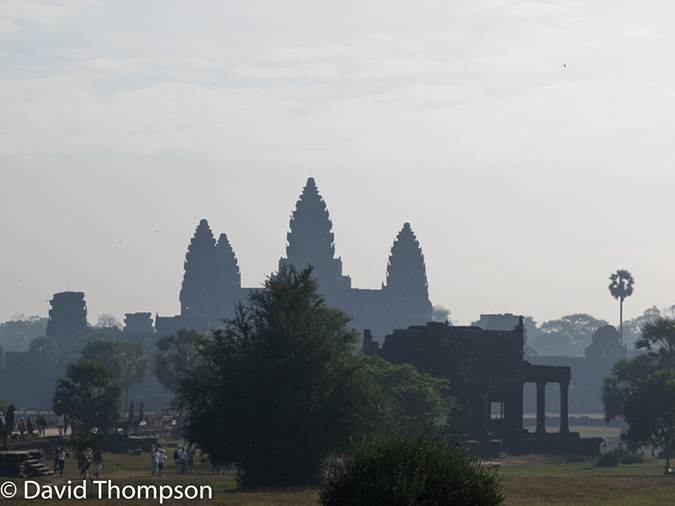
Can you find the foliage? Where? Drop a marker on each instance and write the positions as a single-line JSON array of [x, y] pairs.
[[659, 334], [402, 469], [632, 458], [440, 314], [621, 286], [16, 334], [108, 321], [79, 441], [632, 328], [90, 393], [658, 342], [279, 387], [609, 459], [649, 411], [415, 399], [4, 404], [621, 379], [2, 357], [44, 351], [568, 336], [176, 357], [124, 357]]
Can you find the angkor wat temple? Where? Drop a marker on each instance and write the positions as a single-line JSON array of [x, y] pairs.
[[212, 281]]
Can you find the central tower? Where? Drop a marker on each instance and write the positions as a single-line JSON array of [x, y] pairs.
[[311, 242]]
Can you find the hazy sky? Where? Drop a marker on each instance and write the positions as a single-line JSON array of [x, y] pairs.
[[530, 144]]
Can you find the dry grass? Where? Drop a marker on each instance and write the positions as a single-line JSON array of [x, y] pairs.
[[527, 481]]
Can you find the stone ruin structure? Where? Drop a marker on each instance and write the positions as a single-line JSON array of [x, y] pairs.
[[212, 281], [487, 376]]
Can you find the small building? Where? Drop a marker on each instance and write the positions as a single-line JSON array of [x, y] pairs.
[[487, 376]]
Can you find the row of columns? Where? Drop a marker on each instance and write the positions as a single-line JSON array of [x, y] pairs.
[[564, 407]]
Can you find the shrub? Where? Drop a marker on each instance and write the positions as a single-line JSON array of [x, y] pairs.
[[632, 458], [399, 469], [609, 459]]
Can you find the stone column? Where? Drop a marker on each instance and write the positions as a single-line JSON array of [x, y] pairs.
[[541, 407], [564, 407]]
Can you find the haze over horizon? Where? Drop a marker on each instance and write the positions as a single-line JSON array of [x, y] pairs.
[[529, 145]]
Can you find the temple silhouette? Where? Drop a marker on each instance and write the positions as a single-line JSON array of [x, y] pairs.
[[212, 280]]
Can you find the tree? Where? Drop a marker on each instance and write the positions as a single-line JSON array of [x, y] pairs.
[[108, 321], [415, 399], [650, 413], [44, 351], [569, 335], [17, 333], [657, 341], [124, 357], [621, 286], [660, 334], [401, 469], [89, 393], [279, 387], [440, 314], [176, 357]]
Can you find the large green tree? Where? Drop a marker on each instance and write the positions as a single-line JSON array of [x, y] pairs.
[[569, 335], [621, 286], [124, 357], [90, 393], [649, 410], [16, 334], [415, 399], [279, 387], [657, 343], [176, 357]]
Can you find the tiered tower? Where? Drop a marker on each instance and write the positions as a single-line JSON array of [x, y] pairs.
[[199, 294], [311, 242], [406, 292], [229, 277]]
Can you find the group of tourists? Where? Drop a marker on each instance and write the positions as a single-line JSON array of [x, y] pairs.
[[26, 425], [184, 459]]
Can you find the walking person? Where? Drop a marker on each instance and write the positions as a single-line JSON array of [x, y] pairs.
[[191, 452], [154, 462], [61, 459], [176, 458], [162, 458], [183, 462], [98, 463], [60, 424]]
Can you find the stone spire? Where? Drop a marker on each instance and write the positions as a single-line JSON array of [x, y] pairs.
[[406, 287], [310, 241], [230, 277], [201, 279]]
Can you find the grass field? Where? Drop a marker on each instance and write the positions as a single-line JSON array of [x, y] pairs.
[[527, 480]]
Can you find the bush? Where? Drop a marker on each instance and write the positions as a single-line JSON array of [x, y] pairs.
[[609, 459], [401, 469], [632, 458]]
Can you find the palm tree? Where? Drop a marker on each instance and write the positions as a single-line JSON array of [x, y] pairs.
[[125, 358], [659, 334], [89, 393], [621, 286]]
